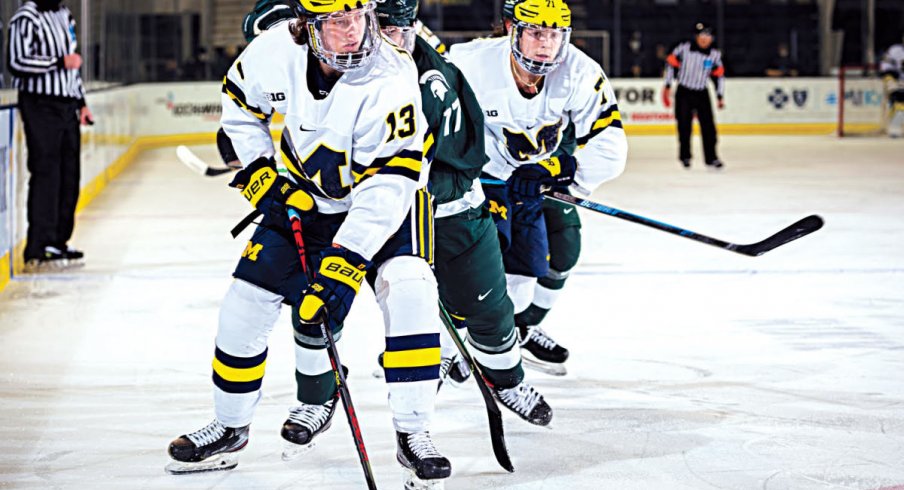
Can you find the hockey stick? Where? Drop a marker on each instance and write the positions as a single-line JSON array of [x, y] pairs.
[[790, 233], [497, 433], [197, 165], [333, 353]]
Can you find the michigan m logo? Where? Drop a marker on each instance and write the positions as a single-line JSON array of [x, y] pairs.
[[521, 148], [251, 251], [495, 208]]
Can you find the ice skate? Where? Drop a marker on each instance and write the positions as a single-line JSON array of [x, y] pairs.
[[424, 467], [213, 448], [305, 422], [541, 353], [453, 371], [526, 402]]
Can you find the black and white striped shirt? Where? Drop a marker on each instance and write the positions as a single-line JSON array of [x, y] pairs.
[[694, 66], [38, 41]]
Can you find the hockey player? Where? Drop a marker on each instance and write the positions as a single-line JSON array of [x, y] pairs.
[[468, 262], [353, 145], [891, 68], [535, 87]]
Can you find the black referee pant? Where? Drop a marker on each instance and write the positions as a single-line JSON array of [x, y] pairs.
[[53, 140], [688, 102]]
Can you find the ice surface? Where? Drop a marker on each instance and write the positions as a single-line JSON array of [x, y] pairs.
[[691, 367]]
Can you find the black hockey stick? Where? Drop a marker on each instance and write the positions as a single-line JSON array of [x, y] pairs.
[[192, 161], [790, 233], [333, 353], [497, 432]]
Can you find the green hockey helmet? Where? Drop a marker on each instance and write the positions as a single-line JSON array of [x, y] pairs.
[[397, 18], [266, 14]]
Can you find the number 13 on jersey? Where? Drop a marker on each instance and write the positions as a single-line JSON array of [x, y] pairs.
[[402, 125]]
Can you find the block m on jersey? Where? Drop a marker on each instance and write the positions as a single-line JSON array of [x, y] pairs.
[[522, 147]]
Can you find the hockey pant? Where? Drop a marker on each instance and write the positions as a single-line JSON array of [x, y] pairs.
[[541, 243], [472, 286], [269, 273]]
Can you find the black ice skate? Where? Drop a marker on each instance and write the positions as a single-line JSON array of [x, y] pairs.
[[51, 259], [454, 371], [425, 467], [540, 352], [527, 402], [73, 257], [715, 164], [213, 448], [304, 423]]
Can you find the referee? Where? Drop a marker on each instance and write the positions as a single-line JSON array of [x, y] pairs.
[[45, 68], [695, 61]]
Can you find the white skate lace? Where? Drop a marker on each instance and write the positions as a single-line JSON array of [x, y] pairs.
[[422, 446], [207, 435], [522, 398], [310, 416], [541, 337]]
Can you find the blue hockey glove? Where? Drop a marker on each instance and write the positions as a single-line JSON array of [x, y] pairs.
[[270, 192], [529, 181], [334, 287]]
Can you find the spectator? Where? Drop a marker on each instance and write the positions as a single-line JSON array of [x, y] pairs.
[[52, 104], [782, 65], [636, 57]]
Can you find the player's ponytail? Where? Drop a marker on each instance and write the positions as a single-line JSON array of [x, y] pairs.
[[298, 30]]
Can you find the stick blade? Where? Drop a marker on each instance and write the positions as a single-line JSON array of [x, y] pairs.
[[191, 160], [213, 172], [497, 438], [790, 233]]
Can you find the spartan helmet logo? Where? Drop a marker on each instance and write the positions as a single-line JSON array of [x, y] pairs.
[[436, 82]]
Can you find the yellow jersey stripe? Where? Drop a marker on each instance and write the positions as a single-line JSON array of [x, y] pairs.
[[239, 375], [411, 358]]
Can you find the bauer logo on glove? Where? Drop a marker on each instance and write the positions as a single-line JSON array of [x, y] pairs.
[[270, 192], [334, 287]]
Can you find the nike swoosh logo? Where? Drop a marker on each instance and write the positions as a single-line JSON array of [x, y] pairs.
[[568, 211], [507, 337], [301, 128], [480, 297]]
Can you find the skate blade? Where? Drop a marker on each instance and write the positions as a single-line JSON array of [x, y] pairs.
[[542, 366], [292, 451], [412, 482], [59, 265], [220, 462], [378, 373]]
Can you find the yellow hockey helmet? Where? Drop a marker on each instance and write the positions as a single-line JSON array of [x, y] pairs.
[[540, 34], [344, 34]]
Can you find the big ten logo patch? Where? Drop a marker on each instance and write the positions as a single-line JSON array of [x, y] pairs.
[[495, 208], [251, 251], [276, 96]]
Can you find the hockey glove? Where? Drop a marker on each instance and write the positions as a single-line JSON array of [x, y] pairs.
[[529, 181], [334, 287], [270, 192]]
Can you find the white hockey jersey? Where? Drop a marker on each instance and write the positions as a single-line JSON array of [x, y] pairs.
[[892, 64], [521, 131], [358, 149]]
